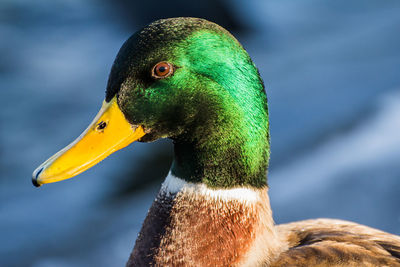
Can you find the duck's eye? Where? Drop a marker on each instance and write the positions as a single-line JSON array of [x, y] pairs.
[[162, 70]]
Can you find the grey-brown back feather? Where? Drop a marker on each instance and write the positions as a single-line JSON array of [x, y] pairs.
[[326, 242]]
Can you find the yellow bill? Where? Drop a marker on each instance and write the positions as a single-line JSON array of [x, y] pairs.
[[108, 132]]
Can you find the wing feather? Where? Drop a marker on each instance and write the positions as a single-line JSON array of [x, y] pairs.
[[326, 242]]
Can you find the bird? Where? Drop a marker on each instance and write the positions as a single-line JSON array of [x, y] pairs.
[[190, 80]]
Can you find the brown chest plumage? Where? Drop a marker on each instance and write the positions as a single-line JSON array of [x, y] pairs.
[[197, 230]]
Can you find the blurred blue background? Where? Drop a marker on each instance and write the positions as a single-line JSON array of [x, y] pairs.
[[332, 74]]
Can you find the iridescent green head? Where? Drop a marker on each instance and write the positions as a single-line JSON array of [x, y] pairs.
[[190, 80], [212, 104]]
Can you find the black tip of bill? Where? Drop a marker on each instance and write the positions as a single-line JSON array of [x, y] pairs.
[[35, 176]]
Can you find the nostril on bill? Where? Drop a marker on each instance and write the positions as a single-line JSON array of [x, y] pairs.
[[101, 125]]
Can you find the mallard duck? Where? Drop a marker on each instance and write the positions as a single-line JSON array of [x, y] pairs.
[[190, 80]]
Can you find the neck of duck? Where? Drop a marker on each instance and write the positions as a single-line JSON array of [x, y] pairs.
[[225, 147], [217, 213]]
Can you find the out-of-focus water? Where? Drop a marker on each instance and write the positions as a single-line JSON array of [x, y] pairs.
[[332, 72]]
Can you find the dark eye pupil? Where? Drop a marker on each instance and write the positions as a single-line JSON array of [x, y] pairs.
[[162, 70]]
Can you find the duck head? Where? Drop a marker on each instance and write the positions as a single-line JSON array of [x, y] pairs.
[[189, 80]]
